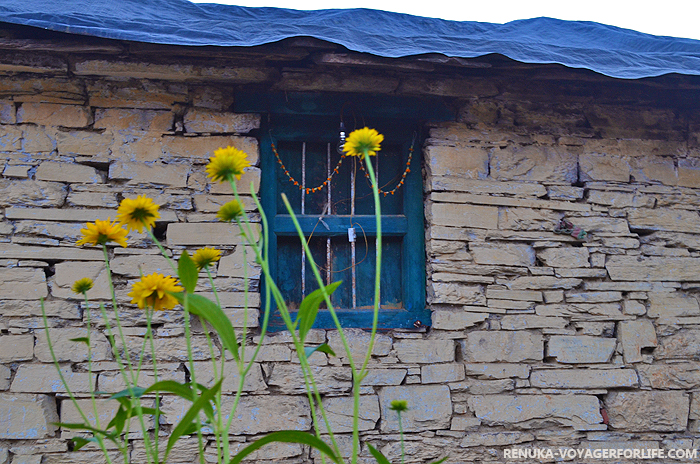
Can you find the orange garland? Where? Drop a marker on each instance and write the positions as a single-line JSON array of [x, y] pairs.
[[335, 171]]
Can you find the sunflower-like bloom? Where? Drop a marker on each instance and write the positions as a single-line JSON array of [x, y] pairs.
[[138, 213], [101, 232], [205, 256], [153, 290], [226, 164], [230, 211], [363, 141], [81, 286]]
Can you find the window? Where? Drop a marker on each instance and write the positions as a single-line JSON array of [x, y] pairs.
[[332, 199]]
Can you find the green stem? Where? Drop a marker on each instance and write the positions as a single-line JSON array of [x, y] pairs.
[[156, 425], [403, 451], [193, 380], [100, 441]]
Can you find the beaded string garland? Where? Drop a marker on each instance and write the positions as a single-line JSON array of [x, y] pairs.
[[337, 168]]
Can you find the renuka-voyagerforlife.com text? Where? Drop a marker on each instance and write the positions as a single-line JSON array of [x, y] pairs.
[[602, 453]]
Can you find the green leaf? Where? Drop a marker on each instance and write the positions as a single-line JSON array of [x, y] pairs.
[[79, 442], [187, 271], [286, 436], [191, 415], [309, 350], [138, 393], [85, 340], [182, 390], [381, 459], [119, 420], [308, 310], [201, 306]]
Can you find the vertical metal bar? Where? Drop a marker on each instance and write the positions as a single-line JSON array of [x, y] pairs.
[[303, 211], [328, 240], [376, 248], [352, 244]]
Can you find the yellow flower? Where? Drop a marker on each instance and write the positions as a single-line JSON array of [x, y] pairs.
[[138, 213], [361, 141], [82, 285], [227, 163], [152, 290], [101, 232], [230, 211], [205, 256]]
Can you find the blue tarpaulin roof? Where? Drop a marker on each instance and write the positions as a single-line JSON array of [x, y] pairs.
[[608, 50]]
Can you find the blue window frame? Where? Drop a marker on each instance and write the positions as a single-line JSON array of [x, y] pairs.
[[304, 129]]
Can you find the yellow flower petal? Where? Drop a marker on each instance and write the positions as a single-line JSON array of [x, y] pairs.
[[82, 285], [230, 211], [138, 213], [154, 290], [226, 164], [205, 257], [102, 232], [363, 141]]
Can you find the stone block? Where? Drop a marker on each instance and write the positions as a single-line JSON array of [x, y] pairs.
[[171, 175], [106, 410], [497, 371], [581, 349], [52, 114], [232, 265], [682, 344], [31, 193], [132, 119], [10, 138], [7, 112], [36, 139], [23, 284], [645, 411], [531, 321], [664, 219], [495, 439], [456, 320], [534, 163], [269, 413], [667, 305], [633, 308], [593, 297], [425, 351], [339, 411], [564, 257], [67, 172], [654, 169], [604, 167], [542, 283], [457, 294], [506, 254], [288, 379], [584, 378], [84, 143], [457, 161], [486, 346], [68, 272], [456, 215], [53, 308], [16, 348], [27, 417], [71, 351], [429, 408], [253, 382], [5, 377], [688, 172], [653, 268], [136, 265], [44, 378], [200, 148], [10, 251], [514, 295], [113, 381], [358, 342], [19, 171], [135, 93], [485, 186], [250, 174], [620, 199], [206, 234], [675, 376], [441, 373], [200, 120], [582, 412], [384, 377], [582, 311], [459, 197]]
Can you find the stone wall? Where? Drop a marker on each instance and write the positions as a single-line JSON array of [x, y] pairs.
[[538, 339]]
